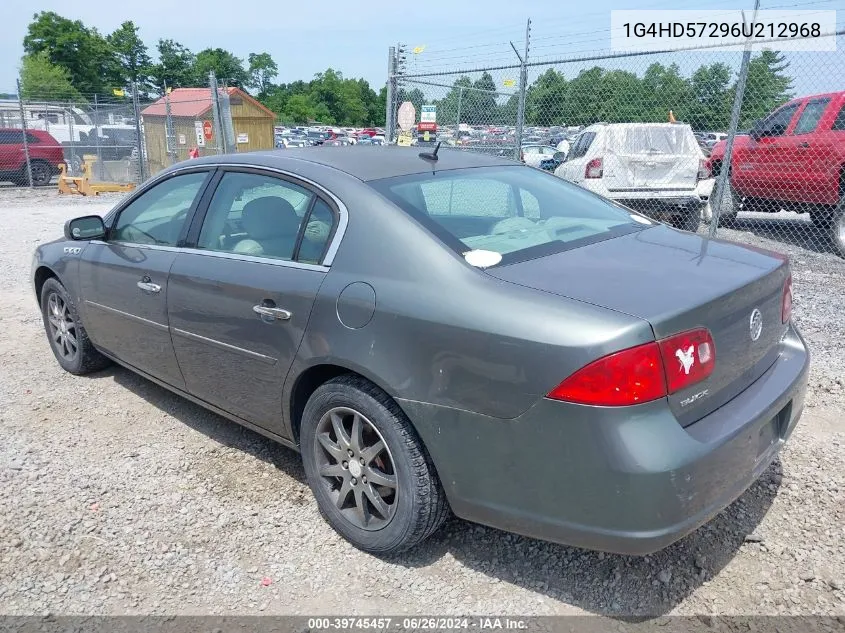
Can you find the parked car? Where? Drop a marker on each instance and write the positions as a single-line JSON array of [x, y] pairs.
[[793, 160], [551, 336], [652, 167], [533, 155], [45, 155]]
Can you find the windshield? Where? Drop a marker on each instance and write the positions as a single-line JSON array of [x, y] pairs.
[[517, 212]]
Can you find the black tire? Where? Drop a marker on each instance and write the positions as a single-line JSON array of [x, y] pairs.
[[728, 216], [689, 219], [419, 504], [42, 173], [835, 228], [85, 359]]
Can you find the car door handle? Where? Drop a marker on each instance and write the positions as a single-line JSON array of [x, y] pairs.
[[148, 286], [804, 144], [272, 313]]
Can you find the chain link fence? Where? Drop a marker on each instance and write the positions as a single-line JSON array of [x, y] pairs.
[[123, 138], [651, 131]]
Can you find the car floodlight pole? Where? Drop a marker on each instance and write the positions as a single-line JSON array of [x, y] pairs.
[[722, 183], [523, 81], [23, 133]]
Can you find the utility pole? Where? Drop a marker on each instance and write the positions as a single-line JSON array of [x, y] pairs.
[[391, 89], [23, 134], [723, 182], [523, 88], [137, 107]]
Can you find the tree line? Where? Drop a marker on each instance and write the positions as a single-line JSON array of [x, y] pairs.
[[704, 99], [67, 60]]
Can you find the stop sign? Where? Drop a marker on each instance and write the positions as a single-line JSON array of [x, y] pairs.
[[207, 130]]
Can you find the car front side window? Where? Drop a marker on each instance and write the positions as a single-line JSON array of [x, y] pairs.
[[159, 215]]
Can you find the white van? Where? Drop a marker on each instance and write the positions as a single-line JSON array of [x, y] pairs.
[[654, 168]]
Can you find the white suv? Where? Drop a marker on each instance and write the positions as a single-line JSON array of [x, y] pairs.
[[655, 168]]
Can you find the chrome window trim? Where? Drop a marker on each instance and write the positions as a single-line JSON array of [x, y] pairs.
[[334, 244], [221, 254]]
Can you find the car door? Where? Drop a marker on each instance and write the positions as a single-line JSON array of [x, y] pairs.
[[240, 298], [123, 279], [11, 150], [808, 172], [764, 158]]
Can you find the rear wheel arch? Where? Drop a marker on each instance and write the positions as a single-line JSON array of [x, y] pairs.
[[309, 380]]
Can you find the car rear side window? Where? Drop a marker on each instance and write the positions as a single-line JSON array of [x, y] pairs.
[[582, 145], [519, 212], [811, 116], [159, 215], [265, 216]]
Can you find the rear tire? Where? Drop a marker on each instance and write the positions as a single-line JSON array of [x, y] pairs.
[[835, 228], [410, 503], [68, 339], [42, 173], [690, 219], [728, 217]]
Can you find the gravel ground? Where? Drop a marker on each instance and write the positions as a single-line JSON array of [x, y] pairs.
[[117, 497]]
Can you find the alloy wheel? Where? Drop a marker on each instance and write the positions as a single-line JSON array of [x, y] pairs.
[[63, 334], [357, 468]]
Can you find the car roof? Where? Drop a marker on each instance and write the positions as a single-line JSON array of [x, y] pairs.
[[364, 163]]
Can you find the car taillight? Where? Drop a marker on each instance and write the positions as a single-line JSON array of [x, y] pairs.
[[786, 303], [689, 357], [642, 373], [703, 169], [628, 377], [594, 169]]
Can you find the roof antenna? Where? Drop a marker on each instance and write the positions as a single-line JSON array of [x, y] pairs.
[[431, 155]]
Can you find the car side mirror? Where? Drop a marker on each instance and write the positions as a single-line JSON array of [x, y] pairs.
[[87, 227], [559, 156]]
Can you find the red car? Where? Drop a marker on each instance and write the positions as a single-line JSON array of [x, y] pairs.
[[793, 159], [45, 154]]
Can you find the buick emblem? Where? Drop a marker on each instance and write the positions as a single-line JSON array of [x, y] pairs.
[[755, 324]]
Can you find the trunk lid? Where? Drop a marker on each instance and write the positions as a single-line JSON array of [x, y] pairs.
[[651, 157], [677, 282]]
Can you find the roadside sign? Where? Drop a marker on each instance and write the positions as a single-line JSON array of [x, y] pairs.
[[207, 130], [428, 114], [182, 140], [509, 83], [199, 131], [243, 137], [407, 116], [404, 139], [427, 127]]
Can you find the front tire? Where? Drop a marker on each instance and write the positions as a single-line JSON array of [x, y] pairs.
[[65, 333], [372, 478]]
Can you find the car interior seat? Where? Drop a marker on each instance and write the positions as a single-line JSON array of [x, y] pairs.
[[271, 225]]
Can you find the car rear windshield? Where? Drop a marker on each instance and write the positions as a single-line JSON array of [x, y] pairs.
[[654, 139], [518, 212]]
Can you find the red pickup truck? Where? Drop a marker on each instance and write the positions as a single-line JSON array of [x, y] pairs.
[[794, 160], [45, 154]]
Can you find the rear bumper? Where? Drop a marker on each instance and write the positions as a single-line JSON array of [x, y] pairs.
[[673, 203], [630, 480]]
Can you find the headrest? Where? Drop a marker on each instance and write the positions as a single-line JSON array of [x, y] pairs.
[[269, 217]]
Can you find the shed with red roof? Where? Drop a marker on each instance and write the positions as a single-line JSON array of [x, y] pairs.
[[191, 112]]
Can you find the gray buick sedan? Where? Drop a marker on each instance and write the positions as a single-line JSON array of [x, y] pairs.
[[444, 332]]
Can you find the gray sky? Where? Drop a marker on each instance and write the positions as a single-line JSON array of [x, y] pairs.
[[307, 37]]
